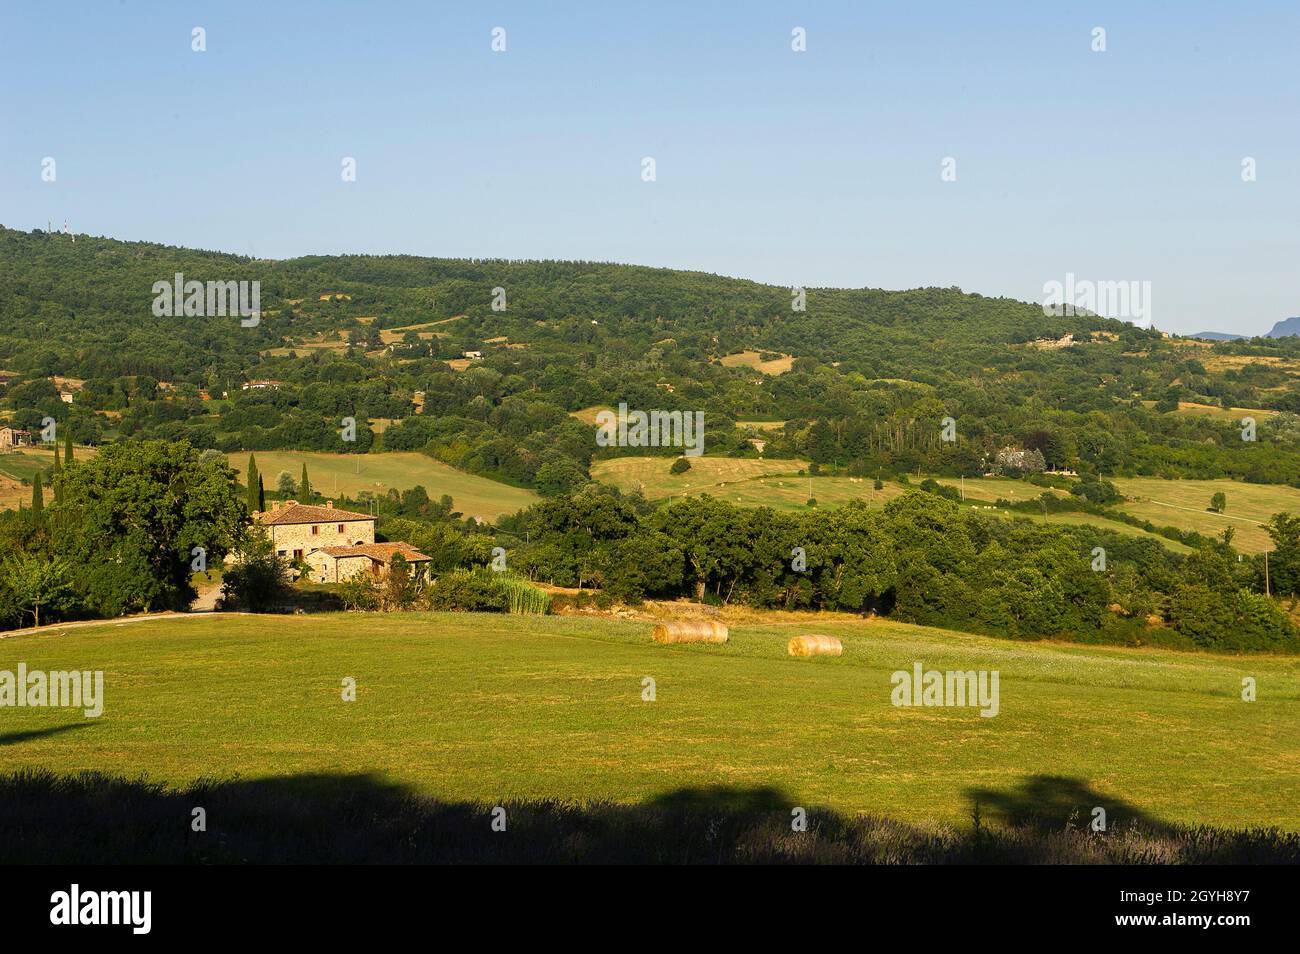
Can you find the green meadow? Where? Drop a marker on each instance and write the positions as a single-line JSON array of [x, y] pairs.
[[334, 474], [1185, 503], [489, 708]]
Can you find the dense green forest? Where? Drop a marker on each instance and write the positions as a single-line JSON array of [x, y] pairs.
[[872, 374]]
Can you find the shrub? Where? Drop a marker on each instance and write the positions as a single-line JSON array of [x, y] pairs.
[[932, 486], [258, 583], [361, 592], [522, 597], [1230, 621], [469, 590]]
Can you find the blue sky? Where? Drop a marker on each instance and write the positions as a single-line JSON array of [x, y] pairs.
[[815, 168]]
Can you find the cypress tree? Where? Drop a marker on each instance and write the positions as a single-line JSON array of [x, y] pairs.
[[38, 499], [57, 482], [261, 494], [254, 486], [67, 448], [305, 489]]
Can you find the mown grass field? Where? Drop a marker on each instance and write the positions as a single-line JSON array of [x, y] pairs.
[[989, 489], [494, 708], [1183, 503], [332, 474], [708, 475]]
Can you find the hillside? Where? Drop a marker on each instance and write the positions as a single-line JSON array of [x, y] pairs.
[[858, 383]]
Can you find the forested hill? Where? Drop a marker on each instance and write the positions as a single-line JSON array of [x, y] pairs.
[[72, 297], [860, 379]]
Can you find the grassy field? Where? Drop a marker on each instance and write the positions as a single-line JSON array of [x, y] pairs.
[[990, 489], [785, 492], [588, 414], [24, 464], [1182, 503], [494, 708], [754, 359], [332, 474], [1233, 415], [711, 475]]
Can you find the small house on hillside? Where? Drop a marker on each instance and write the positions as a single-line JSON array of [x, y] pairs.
[[337, 564], [11, 437]]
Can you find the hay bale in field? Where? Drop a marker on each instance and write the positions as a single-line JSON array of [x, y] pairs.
[[815, 646], [690, 631]]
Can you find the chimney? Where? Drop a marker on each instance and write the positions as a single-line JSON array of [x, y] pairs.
[[329, 505], [290, 503]]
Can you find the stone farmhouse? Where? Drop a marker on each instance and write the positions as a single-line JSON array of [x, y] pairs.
[[12, 437], [336, 544]]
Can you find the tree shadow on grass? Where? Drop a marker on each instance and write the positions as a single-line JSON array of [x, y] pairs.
[[362, 819], [1054, 802], [13, 738]]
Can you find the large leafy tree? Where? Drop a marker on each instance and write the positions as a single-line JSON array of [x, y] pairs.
[[132, 516], [33, 585], [1284, 571]]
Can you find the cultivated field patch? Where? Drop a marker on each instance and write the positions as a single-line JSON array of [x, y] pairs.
[[712, 475], [334, 474], [1184, 503], [754, 359]]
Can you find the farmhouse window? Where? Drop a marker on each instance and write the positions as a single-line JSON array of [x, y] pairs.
[[315, 531], [297, 554], [340, 528]]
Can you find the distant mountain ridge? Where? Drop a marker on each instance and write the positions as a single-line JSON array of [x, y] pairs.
[[1283, 329]]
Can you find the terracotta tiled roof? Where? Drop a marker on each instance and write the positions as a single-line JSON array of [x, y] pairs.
[[383, 552], [304, 513]]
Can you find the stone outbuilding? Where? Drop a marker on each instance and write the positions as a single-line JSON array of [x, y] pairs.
[[337, 564]]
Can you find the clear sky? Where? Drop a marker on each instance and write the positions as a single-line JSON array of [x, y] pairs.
[[813, 168]]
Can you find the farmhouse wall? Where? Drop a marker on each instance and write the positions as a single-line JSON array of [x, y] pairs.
[[298, 536], [328, 569]]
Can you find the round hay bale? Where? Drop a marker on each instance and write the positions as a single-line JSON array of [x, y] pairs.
[[690, 631], [810, 645]]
